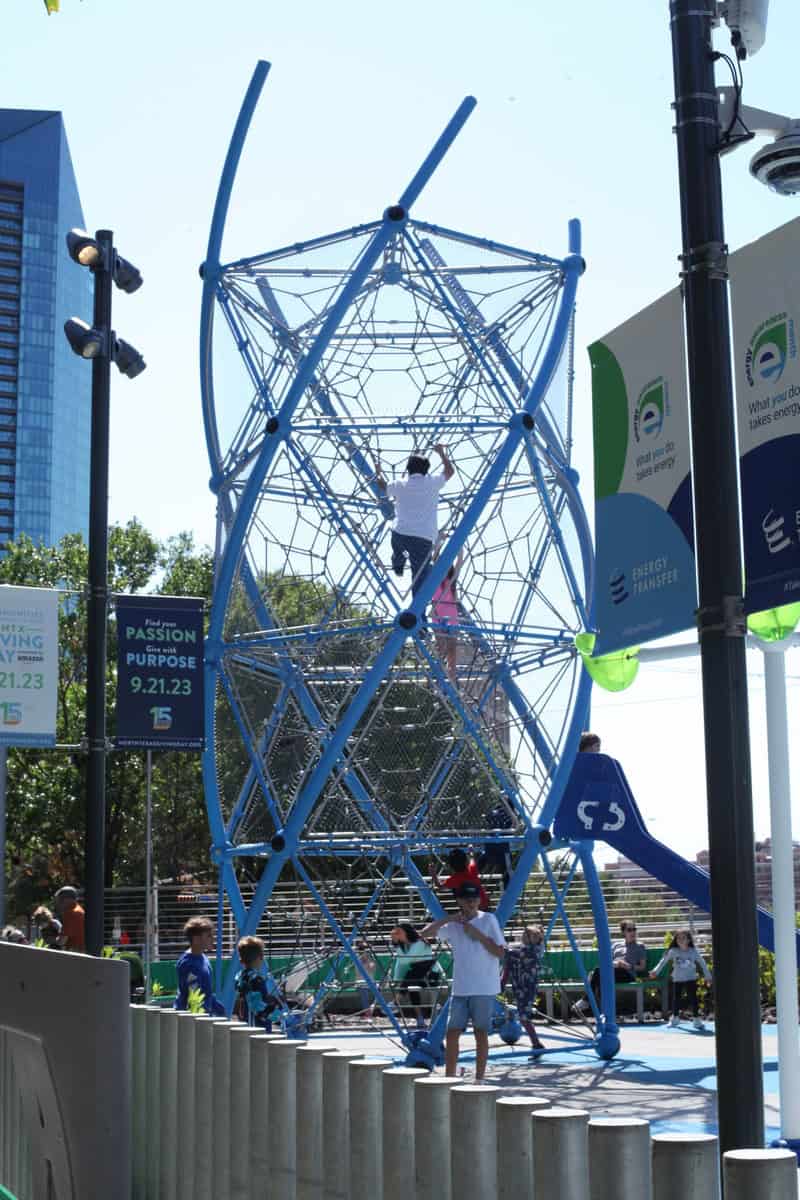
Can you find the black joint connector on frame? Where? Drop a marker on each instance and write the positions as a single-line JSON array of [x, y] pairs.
[[273, 425], [545, 837], [527, 421], [278, 843], [406, 620], [395, 212]]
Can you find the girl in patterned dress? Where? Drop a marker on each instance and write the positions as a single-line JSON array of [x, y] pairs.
[[521, 970]]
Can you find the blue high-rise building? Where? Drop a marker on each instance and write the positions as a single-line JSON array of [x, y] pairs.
[[45, 390]]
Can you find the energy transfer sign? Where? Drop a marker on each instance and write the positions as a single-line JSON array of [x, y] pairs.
[[28, 666], [765, 293], [159, 673], [645, 568]]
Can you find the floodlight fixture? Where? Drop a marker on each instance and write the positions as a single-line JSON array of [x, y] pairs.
[[86, 341], [128, 359], [83, 248], [127, 277]]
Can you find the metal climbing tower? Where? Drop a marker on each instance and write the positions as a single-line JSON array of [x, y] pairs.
[[342, 751]]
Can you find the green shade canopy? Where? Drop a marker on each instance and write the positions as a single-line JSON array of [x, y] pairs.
[[774, 624], [613, 672]]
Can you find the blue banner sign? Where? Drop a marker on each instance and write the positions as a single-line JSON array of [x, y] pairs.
[[765, 298], [159, 673], [643, 502]]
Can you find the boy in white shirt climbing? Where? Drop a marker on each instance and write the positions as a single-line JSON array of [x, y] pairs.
[[478, 949], [415, 527]]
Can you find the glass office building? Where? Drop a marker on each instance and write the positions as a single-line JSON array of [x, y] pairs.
[[45, 390]]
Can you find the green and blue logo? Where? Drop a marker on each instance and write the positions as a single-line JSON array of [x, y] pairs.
[[771, 347], [651, 409]]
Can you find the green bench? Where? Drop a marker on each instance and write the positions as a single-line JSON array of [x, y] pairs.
[[561, 976]]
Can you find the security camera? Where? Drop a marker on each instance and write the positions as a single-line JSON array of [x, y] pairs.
[[778, 163], [747, 21]]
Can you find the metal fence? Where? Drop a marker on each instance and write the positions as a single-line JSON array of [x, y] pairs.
[[294, 924]]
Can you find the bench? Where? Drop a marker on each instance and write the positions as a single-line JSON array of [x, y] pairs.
[[561, 974]]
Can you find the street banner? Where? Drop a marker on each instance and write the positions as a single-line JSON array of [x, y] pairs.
[[765, 299], [28, 666], [159, 673], [645, 569]]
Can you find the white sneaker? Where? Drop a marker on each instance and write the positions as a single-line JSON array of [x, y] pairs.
[[698, 1023], [675, 1020]]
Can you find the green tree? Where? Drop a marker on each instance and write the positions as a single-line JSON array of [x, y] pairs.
[[46, 789]]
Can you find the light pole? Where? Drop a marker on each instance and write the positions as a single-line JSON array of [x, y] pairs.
[[99, 343], [720, 618]]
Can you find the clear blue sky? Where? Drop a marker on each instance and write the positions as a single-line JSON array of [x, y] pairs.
[[573, 119]]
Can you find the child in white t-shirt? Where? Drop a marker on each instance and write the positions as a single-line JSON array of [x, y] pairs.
[[478, 949], [415, 526]]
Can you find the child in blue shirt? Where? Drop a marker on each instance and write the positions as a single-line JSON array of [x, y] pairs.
[[256, 994], [194, 969]]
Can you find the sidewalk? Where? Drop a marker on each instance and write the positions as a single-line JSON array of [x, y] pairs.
[[665, 1075]]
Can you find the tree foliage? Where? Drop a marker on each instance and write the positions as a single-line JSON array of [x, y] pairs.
[[46, 788]]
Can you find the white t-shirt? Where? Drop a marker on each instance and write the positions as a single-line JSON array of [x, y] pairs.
[[415, 501], [476, 972]]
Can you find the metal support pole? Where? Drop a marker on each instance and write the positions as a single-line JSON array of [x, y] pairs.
[[721, 624], [97, 611], [148, 876], [783, 906]]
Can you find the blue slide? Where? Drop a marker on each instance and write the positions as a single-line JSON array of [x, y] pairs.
[[598, 805]]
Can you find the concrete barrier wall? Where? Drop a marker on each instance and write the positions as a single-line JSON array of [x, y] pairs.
[[65, 1075], [99, 1100], [304, 1122]]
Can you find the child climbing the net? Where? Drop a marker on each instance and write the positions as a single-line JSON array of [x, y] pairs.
[[444, 607], [255, 994], [521, 969], [465, 870]]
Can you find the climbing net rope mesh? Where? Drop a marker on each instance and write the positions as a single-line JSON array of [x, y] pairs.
[[440, 345]]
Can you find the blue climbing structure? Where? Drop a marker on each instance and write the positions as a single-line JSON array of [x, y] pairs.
[[340, 747]]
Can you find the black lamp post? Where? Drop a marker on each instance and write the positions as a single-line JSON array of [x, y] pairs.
[[99, 344], [720, 618]]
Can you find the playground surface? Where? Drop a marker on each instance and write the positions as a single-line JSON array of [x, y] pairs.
[[662, 1074]]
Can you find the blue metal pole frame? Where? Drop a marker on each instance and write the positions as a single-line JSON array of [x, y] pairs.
[[237, 515]]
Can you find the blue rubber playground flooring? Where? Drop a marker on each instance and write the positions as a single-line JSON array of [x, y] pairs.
[[665, 1075]]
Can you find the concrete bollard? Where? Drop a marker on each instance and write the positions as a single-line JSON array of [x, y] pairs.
[[185, 1148], [760, 1174], [221, 1109], [685, 1165], [139, 1102], [240, 1037], [203, 1106], [259, 1109], [515, 1145], [398, 1132], [282, 1085], [366, 1129], [473, 1140], [336, 1123], [153, 1118], [432, 1136], [168, 1167], [619, 1159], [561, 1154], [308, 1099]]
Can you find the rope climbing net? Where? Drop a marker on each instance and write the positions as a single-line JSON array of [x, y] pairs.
[[352, 734]]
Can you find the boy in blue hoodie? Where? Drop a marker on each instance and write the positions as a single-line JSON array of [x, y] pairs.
[[194, 969]]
